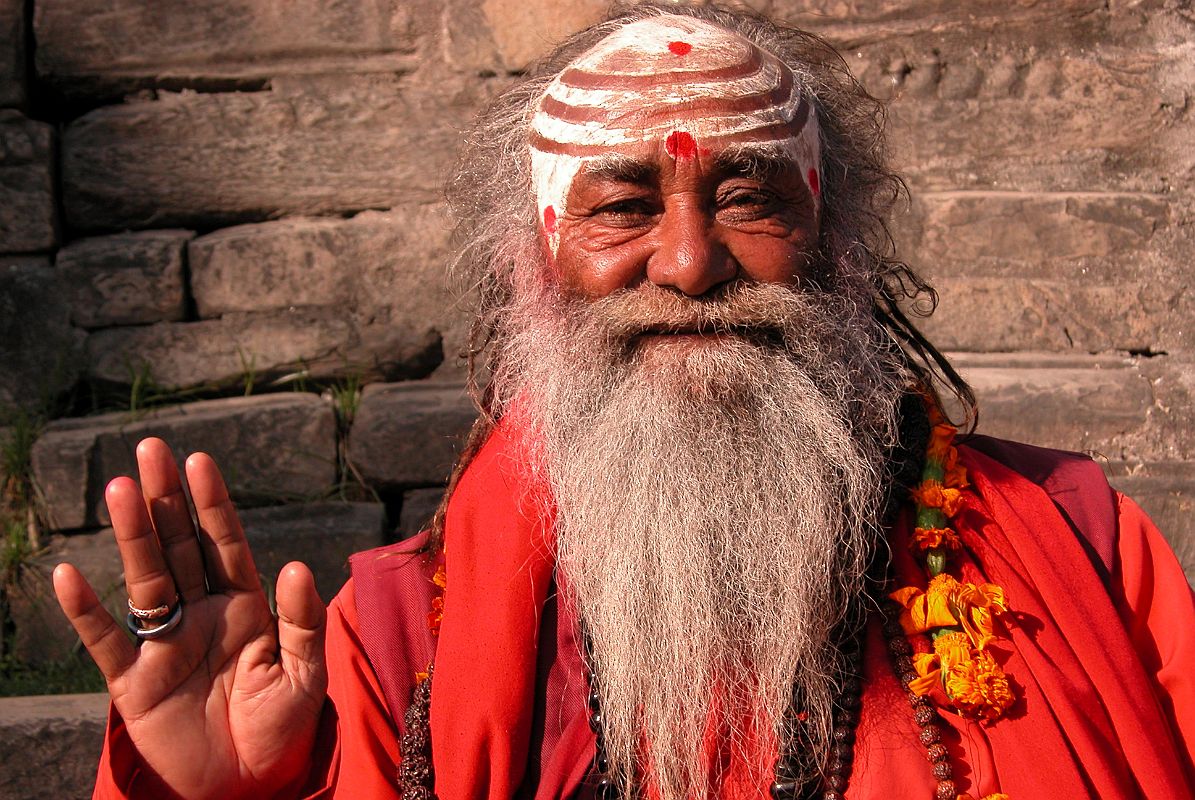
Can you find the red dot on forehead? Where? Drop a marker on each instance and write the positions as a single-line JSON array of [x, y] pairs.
[[680, 48], [814, 183], [680, 144], [549, 220]]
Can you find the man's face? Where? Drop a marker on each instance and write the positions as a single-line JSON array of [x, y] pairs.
[[686, 218]]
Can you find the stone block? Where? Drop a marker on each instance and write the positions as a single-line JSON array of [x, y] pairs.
[[252, 349], [509, 35], [12, 53], [125, 279], [1166, 491], [1100, 405], [321, 535], [28, 216], [1024, 313], [42, 633], [40, 353], [418, 508], [408, 434], [311, 145], [52, 745], [270, 448], [372, 268], [86, 47]]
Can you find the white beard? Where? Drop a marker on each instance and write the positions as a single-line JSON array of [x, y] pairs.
[[717, 502]]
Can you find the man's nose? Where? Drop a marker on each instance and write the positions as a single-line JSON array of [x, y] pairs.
[[689, 257]]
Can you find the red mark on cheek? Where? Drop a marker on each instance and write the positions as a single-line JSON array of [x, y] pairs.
[[549, 220], [680, 48], [815, 185], [680, 145]]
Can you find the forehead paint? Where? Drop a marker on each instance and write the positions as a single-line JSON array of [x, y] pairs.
[[677, 81]]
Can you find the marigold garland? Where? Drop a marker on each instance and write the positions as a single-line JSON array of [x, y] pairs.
[[958, 617]]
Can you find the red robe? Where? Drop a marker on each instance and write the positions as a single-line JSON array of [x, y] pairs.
[[1101, 650]]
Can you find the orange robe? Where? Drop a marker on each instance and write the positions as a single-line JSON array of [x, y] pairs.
[[1104, 666]]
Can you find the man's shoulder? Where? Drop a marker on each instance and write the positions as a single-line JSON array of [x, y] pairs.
[[1074, 482]]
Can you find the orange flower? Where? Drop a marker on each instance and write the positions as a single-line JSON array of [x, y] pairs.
[[926, 610], [930, 538], [992, 796], [441, 577], [949, 649], [940, 438], [979, 687], [946, 602], [932, 494], [955, 474], [436, 615], [976, 605]]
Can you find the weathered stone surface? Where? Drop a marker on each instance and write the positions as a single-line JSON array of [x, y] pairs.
[[270, 448], [418, 508], [409, 434], [12, 53], [86, 47], [510, 35], [321, 535], [40, 353], [1071, 403], [1166, 490], [125, 279], [51, 744], [28, 219], [374, 267], [1003, 314], [254, 348], [42, 632], [312, 145]]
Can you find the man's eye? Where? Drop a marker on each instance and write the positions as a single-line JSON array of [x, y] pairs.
[[744, 198], [626, 210]]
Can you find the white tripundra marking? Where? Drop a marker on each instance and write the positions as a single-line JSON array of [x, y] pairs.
[[656, 77]]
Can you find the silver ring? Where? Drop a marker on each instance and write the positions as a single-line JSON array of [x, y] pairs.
[[157, 631]]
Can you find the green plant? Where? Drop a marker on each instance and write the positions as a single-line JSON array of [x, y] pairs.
[[248, 370], [346, 398]]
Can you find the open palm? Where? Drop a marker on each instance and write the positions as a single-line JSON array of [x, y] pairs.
[[227, 703]]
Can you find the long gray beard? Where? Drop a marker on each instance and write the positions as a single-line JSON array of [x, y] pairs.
[[716, 506]]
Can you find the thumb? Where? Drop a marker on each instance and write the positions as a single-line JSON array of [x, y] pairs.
[[302, 621]]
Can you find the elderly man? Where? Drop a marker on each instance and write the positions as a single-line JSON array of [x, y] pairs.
[[711, 537]]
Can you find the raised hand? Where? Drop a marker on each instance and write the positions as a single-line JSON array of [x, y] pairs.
[[226, 704]]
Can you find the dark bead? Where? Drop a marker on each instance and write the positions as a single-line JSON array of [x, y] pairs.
[[844, 753], [925, 715], [852, 685], [594, 703], [908, 677], [836, 782], [847, 717], [836, 766], [899, 645], [595, 722], [916, 700], [601, 763], [849, 702], [844, 734], [787, 769], [783, 790], [946, 791], [942, 771], [937, 752], [903, 664], [832, 795], [930, 734]]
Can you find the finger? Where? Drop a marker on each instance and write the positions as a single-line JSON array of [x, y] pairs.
[[171, 518], [146, 577], [225, 551], [104, 639], [301, 626]]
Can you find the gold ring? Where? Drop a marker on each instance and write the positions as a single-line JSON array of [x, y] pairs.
[[157, 612]]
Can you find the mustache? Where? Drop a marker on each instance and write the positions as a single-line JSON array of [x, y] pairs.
[[752, 310]]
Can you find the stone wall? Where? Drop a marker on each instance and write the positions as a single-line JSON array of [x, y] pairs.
[[243, 198]]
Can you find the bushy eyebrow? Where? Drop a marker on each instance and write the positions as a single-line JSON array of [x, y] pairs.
[[623, 169], [754, 161]]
